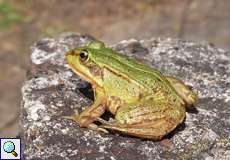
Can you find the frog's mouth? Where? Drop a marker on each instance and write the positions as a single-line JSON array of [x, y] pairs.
[[80, 69], [82, 75]]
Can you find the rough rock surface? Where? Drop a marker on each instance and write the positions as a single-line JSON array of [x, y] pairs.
[[52, 91]]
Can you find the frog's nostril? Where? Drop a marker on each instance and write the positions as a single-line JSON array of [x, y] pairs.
[[71, 52]]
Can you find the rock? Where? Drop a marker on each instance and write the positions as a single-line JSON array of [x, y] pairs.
[[52, 91]]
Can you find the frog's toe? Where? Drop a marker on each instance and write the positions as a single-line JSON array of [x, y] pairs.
[[112, 120], [96, 128], [68, 117], [76, 112], [73, 117], [103, 130], [104, 122]]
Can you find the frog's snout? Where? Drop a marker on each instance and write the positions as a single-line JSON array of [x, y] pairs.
[[71, 52]]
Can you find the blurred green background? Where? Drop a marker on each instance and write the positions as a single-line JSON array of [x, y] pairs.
[[23, 22]]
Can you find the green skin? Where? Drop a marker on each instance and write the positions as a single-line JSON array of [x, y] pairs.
[[145, 103]]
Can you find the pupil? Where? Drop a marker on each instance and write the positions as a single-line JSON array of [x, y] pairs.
[[83, 56]]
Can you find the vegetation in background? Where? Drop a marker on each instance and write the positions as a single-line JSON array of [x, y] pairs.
[[8, 15]]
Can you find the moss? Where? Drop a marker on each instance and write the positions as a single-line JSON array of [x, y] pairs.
[[8, 15]]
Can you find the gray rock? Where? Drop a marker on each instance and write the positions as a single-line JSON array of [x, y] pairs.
[[52, 91]]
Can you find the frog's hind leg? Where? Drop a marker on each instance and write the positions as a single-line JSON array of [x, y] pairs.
[[154, 130], [144, 121]]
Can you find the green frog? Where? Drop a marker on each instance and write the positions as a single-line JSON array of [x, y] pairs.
[[145, 103]]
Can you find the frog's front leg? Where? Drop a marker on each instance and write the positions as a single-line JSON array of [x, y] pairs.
[[91, 114]]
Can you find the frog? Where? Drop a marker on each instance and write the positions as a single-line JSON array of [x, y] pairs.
[[144, 102]]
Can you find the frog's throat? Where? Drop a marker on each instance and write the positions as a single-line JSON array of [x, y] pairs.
[[84, 76]]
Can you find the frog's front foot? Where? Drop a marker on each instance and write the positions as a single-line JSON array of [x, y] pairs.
[[80, 120], [97, 128], [104, 122], [74, 117]]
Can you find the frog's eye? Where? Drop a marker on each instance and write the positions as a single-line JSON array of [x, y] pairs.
[[83, 56]]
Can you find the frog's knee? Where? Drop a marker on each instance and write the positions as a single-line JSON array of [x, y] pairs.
[[191, 99], [184, 91], [123, 115]]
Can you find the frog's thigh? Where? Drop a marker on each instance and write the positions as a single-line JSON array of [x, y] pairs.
[[145, 122], [152, 130]]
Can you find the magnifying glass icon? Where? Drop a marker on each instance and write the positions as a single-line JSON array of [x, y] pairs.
[[9, 147]]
